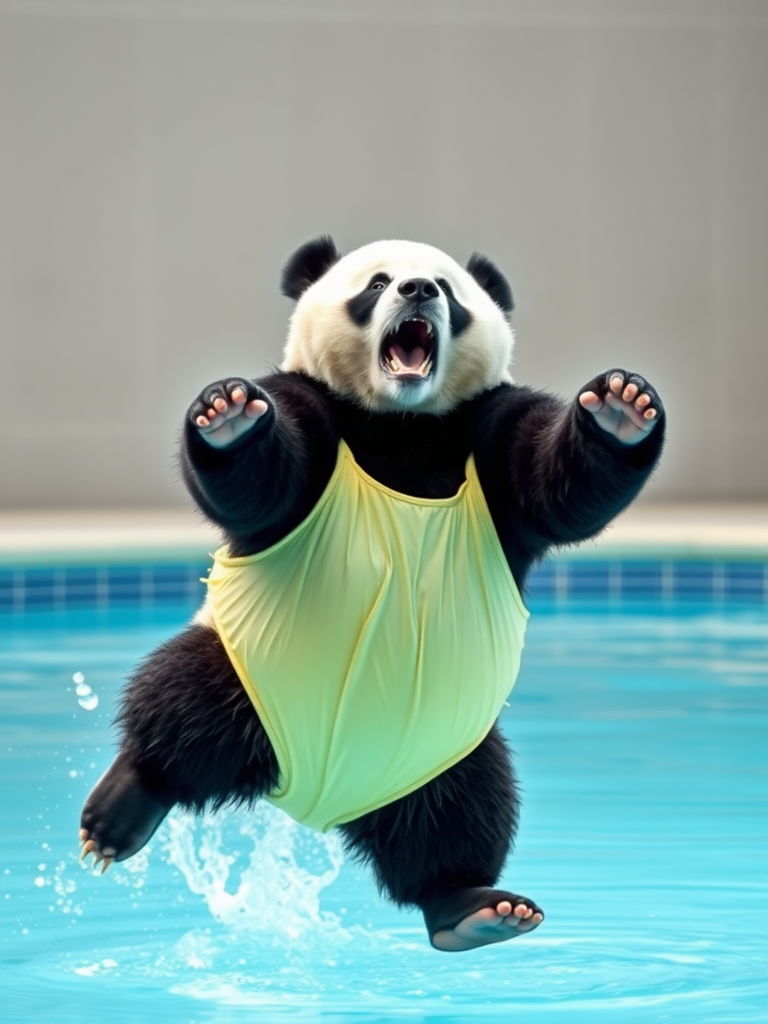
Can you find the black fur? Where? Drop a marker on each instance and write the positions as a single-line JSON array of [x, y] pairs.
[[550, 475], [489, 277], [460, 316], [307, 265], [225, 755], [189, 737], [469, 814]]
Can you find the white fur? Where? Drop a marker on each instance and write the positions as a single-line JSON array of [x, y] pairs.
[[324, 342]]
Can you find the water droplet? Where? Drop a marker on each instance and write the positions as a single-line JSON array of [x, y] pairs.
[[73, 774], [41, 867], [78, 677], [82, 689], [39, 881], [89, 703]]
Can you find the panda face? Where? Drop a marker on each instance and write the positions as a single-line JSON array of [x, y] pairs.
[[398, 326]]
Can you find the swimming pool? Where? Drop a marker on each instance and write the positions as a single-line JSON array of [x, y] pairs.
[[639, 723]]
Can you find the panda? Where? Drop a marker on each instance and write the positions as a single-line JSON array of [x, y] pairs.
[[382, 498]]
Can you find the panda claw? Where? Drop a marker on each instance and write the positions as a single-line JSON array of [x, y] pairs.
[[107, 862], [88, 847]]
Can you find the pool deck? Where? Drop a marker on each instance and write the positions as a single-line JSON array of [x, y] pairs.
[[722, 531]]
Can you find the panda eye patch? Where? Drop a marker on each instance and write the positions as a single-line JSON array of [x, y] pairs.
[[460, 317], [378, 282]]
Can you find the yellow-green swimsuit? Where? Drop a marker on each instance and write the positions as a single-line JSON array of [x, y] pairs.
[[378, 641]]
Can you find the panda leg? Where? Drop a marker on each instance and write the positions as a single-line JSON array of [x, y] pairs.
[[191, 736], [443, 847]]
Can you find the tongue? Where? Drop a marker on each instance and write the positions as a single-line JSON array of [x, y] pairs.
[[411, 358]]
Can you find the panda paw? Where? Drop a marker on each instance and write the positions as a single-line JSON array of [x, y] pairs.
[[623, 404], [468, 918], [226, 410], [120, 815]]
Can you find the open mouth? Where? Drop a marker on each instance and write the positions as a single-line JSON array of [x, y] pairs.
[[409, 351]]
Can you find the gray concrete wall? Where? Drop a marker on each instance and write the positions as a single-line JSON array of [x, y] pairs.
[[159, 160]]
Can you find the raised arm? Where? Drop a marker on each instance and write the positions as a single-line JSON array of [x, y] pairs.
[[557, 473], [257, 455]]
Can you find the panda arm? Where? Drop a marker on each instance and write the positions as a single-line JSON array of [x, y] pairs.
[[266, 481], [551, 474]]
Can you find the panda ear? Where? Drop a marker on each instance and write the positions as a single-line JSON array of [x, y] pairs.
[[307, 265], [490, 278]]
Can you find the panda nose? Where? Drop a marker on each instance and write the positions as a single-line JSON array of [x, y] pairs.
[[418, 288]]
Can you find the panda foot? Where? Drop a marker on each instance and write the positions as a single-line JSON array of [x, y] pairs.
[[120, 816], [479, 917]]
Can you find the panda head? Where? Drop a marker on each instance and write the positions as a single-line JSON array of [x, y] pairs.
[[398, 326]]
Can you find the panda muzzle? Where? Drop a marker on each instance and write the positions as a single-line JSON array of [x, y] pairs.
[[409, 351]]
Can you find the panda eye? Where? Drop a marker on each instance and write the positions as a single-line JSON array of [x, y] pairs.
[[445, 286], [378, 283]]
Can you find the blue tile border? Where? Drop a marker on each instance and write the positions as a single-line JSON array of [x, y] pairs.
[[101, 587], [560, 581], [670, 581]]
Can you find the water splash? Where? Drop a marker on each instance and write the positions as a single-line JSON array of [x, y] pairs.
[[258, 872], [261, 877]]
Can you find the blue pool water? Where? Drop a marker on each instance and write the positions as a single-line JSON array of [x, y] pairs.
[[642, 744]]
